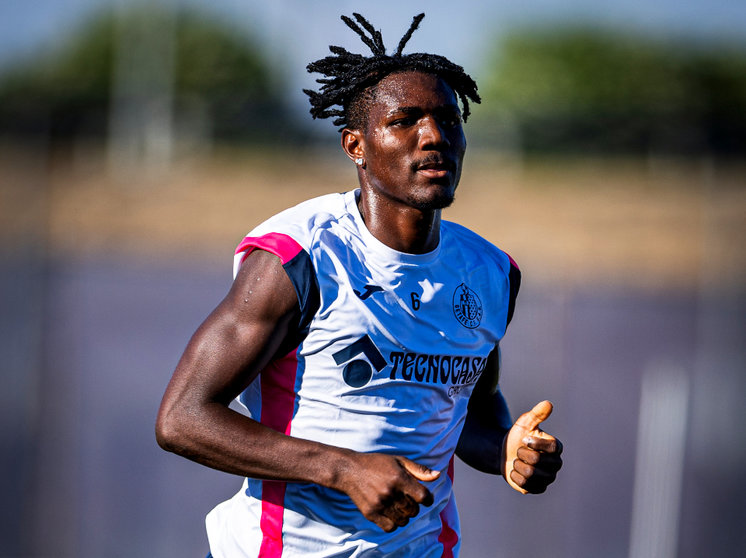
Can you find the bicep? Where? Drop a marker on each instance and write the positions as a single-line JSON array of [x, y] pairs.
[[241, 336]]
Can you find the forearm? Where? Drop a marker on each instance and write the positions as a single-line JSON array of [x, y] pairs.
[[487, 423], [385, 488], [481, 446], [218, 437], [209, 432]]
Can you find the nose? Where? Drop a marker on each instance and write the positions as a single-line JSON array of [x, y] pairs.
[[431, 134]]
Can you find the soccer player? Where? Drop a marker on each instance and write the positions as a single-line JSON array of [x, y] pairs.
[[362, 335]]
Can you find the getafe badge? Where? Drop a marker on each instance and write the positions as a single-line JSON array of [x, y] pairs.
[[467, 307]]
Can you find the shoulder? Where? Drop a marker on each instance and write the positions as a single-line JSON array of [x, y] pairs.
[[301, 220], [290, 232], [458, 237], [500, 269]]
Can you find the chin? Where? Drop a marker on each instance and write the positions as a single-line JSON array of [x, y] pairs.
[[440, 199]]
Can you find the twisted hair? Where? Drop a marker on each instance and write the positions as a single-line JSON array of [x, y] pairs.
[[349, 79]]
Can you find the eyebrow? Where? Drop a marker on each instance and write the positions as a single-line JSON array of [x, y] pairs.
[[417, 110]]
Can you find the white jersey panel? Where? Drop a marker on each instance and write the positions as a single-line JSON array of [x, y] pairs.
[[390, 358]]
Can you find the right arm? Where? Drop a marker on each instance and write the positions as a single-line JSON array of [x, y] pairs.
[[226, 353]]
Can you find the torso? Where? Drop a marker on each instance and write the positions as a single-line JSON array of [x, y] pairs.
[[390, 358]]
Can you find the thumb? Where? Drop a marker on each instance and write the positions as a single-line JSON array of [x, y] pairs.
[[420, 472], [533, 418]]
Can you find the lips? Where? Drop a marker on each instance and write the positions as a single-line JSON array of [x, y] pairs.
[[435, 165]]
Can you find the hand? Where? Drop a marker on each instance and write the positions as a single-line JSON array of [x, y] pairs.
[[531, 457], [386, 488]]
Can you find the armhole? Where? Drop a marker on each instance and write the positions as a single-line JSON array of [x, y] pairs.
[[303, 277], [297, 264], [514, 280]]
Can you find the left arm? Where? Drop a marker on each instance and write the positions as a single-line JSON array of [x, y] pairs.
[[524, 455], [487, 422]]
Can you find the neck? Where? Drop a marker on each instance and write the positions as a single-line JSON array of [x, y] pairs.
[[398, 226]]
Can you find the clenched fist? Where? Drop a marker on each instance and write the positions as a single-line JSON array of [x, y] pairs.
[[531, 457]]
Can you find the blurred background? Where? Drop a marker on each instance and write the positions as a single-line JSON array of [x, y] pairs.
[[139, 141]]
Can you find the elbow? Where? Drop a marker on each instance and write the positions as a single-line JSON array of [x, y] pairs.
[[169, 431], [164, 432]]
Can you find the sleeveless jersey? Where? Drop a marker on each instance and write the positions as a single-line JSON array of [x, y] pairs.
[[390, 347]]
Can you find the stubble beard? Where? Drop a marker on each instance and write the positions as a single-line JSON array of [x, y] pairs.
[[441, 198], [440, 201]]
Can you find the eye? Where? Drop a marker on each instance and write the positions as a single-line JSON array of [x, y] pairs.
[[404, 121], [451, 120]]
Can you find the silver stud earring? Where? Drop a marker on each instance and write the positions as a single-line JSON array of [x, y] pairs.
[[359, 161]]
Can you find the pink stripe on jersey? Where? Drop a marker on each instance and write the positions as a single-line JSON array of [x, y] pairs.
[[512, 261], [278, 404], [281, 245], [448, 537], [273, 498]]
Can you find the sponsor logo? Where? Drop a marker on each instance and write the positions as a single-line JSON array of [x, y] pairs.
[[369, 290], [436, 369], [458, 372], [467, 307], [356, 373]]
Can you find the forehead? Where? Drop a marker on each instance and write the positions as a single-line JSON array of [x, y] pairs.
[[412, 90]]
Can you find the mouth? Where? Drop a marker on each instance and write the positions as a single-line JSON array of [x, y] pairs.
[[434, 167]]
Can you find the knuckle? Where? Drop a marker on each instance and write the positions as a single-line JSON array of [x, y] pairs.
[[523, 468], [529, 456], [385, 523], [517, 478], [386, 493], [428, 499], [421, 493], [402, 521]]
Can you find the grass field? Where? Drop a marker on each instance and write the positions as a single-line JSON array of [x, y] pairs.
[[655, 223]]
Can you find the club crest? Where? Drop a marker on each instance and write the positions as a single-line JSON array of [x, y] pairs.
[[467, 307]]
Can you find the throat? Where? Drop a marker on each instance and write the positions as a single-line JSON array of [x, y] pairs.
[[404, 229]]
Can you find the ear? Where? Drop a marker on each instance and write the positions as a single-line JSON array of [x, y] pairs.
[[353, 144]]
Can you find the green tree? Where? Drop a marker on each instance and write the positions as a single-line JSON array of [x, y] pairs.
[[581, 89], [68, 91]]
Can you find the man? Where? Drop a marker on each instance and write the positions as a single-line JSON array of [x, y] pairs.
[[361, 333]]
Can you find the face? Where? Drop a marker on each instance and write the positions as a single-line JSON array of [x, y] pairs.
[[414, 144]]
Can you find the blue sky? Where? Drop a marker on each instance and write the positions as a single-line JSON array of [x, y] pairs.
[[297, 31], [25, 25]]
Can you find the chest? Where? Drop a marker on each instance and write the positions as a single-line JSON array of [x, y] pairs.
[[383, 322]]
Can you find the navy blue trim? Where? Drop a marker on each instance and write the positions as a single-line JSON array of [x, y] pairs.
[[514, 278], [303, 277]]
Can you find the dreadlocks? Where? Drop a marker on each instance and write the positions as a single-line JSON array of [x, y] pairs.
[[350, 79]]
